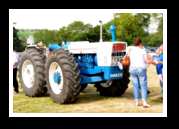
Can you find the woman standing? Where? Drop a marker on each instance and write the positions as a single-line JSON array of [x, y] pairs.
[[138, 72]]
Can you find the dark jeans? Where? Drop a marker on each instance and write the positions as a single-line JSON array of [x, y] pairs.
[[15, 83]]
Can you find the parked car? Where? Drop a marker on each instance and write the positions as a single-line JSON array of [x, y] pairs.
[[150, 49]]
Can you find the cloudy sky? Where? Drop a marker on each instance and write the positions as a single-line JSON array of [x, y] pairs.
[[56, 18]]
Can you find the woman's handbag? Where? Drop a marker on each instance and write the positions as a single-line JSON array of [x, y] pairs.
[[126, 61]]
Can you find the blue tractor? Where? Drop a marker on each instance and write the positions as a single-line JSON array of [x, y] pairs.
[[63, 71]]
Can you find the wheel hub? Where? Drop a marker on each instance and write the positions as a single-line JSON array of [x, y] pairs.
[[55, 78], [28, 73], [107, 84]]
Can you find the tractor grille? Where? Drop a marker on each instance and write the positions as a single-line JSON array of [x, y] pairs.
[[119, 50]]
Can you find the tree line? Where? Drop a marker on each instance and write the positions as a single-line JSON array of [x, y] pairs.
[[128, 26]]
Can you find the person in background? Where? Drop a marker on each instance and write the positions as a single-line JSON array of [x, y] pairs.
[[40, 44], [159, 65], [51, 48], [15, 65], [138, 72]]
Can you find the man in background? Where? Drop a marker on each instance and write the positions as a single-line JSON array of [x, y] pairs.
[[15, 64]]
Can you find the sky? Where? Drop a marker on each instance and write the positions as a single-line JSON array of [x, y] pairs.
[[57, 18], [54, 19]]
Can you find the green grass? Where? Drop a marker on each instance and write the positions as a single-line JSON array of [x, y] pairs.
[[90, 101]]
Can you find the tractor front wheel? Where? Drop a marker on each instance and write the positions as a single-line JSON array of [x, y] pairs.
[[114, 87]]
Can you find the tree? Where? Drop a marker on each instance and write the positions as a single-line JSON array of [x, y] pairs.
[[46, 36], [131, 25], [78, 31], [94, 34], [24, 34], [143, 19], [18, 45], [155, 39], [160, 27], [63, 34]]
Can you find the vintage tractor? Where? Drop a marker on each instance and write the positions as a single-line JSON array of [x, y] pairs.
[[68, 68]]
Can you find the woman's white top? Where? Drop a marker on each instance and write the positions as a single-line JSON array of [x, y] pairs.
[[137, 56]]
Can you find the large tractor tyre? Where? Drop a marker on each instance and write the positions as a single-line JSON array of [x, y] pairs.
[[41, 51], [114, 87], [63, 77], [31, 72]]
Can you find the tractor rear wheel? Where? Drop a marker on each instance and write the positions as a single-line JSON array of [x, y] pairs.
[[31, 72], [63, 77], [114, 87]]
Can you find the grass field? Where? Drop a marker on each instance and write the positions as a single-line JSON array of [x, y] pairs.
[[89, 101]]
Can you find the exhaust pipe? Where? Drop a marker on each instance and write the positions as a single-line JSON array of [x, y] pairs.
[[101, 31]]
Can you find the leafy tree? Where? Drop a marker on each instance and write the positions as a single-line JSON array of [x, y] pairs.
[[131, 25], [155, 39], [94, 34], [78, 31], [46, 36], [24, 34], [18, 45]]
